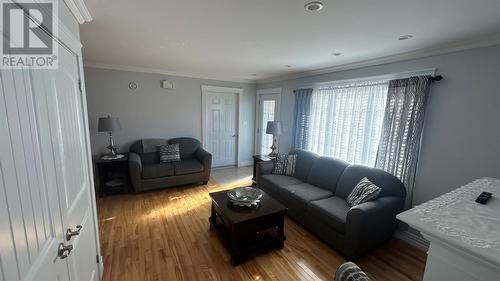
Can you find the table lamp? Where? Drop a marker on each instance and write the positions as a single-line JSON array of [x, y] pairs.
[[110, 124], [274, 128]]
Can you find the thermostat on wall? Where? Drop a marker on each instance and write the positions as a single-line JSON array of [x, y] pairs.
[[167, 84]]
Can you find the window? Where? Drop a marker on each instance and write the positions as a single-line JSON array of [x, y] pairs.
[[268, 108], [346, 121]]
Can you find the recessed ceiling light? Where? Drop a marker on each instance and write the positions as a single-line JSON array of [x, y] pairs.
[[313, 6], [336, 54], [287, 66], [405, 37]]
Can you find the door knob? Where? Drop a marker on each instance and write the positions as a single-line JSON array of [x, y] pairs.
[[235, 136], [63, 251], [70, 233]]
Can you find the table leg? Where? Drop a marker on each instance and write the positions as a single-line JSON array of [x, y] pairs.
[[213, 217], [281, 232], [235, 246]]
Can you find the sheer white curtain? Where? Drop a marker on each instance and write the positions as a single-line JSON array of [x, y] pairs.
[[346, 121]]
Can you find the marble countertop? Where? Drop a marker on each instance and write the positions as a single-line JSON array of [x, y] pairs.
[[455, 218]]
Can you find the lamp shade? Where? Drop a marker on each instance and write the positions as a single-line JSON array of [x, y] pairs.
[[109, 124], [273, 128]]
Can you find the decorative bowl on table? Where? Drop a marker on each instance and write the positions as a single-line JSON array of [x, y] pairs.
[[245, 196]]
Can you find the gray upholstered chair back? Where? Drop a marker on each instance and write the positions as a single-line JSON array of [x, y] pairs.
[[325, 172], [391, 186], [187, 146], [148, 150], [305, 160]]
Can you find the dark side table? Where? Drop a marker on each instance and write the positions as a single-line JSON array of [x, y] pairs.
[[113, 175], [257, 159]]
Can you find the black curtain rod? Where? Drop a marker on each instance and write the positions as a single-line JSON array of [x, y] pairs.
[[436, 78]]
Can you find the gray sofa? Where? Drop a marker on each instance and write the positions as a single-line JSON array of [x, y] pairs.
[[147, 173], [315, 197]]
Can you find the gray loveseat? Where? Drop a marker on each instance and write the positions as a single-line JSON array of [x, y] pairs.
[[315, 197], [147, 173]]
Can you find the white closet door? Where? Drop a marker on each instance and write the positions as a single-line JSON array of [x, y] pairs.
[[221, 127], [44, 176], [31, 227], [67, 129]]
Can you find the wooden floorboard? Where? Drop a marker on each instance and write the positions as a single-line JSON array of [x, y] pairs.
[[164, 235]]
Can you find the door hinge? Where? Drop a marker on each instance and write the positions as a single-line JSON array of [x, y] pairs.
[[258, 130], [80, 85], [97, 259]]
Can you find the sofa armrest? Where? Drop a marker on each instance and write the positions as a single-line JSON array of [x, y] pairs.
[[135, 170], [371, 223], [206, 160], [263, 168]]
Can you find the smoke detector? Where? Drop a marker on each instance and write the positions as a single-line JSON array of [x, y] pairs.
[[313, 6]]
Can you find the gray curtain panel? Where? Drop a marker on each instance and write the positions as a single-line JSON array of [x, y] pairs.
[[399, 146], [302, 117]]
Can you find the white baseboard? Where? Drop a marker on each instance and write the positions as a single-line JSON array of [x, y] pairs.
[[412, 239], [245, 163]]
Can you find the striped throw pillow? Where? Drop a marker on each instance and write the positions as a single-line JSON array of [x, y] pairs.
[[349, 271], [170, 153], [284, 164], [364, 191]]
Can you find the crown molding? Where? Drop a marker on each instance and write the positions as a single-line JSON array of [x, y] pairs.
[[79, 10], [164, 72], [480, 42]]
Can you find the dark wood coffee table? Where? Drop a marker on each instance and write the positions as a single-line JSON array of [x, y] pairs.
[[245, 230]]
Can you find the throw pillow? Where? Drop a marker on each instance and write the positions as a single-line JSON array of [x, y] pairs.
[[284, 164], [349, 271], [364, 191], [169, 153]]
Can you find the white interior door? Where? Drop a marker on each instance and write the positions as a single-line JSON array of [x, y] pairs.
[[67, 128], [31, 226], [268, 109], [221, 127], [44, 175]]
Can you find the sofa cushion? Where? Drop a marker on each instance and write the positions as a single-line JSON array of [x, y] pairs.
[[326, 172], [153, 171], [332, 211], [305, 160], [273, 183], [187, 166], [390, 185], [301, 194], [187, 146], [151, 155]]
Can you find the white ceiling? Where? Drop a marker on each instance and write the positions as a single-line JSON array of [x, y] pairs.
[[233, 39]]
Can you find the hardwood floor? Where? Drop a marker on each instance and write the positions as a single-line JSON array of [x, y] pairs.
[[164, 235]]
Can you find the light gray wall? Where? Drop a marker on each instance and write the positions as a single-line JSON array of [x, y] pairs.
[[461, 138], [153, 112]]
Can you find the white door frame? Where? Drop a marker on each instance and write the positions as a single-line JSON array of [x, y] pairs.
[[259, 93], [224, 90]]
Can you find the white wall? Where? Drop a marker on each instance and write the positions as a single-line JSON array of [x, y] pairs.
[[461, 139], [153, 112]]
